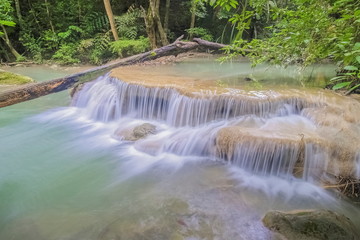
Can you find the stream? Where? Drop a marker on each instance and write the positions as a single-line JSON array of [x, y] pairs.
[[67, 171]]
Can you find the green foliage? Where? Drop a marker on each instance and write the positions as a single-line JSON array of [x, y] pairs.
[[226, 4], [6, 23], [71, 34], [199, 8], [66, 54], [129, 47], [128, 24], [95, 22], [200, 32], [96, 50], [32, 46], [6, 12], [349, 78], [306, 32]]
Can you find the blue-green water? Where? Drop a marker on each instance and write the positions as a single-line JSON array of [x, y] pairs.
[[63, 176]]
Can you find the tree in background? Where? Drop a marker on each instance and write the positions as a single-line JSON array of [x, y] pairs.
[[154, 27], [111, 19], [301, 32], [276, 31], [6, 20]]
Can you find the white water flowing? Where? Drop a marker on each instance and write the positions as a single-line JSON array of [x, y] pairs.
[[109, 99], [82, 180], [188, 126]]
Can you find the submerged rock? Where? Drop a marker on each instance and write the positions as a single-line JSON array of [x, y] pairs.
[[136, 133], [311, 225]]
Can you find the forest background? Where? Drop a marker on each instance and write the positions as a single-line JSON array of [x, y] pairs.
[[281, 32]]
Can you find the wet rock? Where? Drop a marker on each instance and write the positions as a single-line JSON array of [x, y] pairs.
[[76, 89], [144, 130], [311, 225], [137, 133]]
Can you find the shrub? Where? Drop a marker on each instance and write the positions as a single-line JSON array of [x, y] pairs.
[[128, 47], [200, 32], [66, 54]]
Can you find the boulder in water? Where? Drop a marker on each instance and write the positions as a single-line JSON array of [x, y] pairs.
[[137, 133], [311, 225]]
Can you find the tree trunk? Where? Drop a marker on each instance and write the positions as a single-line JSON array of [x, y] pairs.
[[193, 16], [6, 55], [49, 17], [18, 13], [166, 18], [154, 28], [150, 28], [36, 90], [111, 19], [6, 39]]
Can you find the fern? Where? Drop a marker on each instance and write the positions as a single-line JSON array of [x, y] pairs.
[[95, 22], [129, 47], [128, 25], [70, 33], [96, 50]]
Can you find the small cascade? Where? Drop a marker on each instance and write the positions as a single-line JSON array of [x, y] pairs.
[[268, 134], [109, 99]]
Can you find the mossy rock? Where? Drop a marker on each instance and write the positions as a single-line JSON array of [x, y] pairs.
[[311, 225], [8, 78]]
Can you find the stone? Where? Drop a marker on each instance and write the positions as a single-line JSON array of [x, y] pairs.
[[137, 133], [144, 130], [311, 225]]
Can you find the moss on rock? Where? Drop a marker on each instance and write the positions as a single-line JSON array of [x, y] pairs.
[[311, 225], [8, 78]]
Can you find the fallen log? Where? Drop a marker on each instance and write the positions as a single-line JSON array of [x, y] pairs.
[[218, 46], [35, 90]]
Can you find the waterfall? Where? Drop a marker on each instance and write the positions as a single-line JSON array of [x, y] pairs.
[[109, 99], [267, 134]]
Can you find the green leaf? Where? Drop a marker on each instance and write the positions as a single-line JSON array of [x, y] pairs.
[[341, 85], [341, 47], [354, 87], [7, 23], [338, 78], [351, 68], [358, 59], [356, 46]]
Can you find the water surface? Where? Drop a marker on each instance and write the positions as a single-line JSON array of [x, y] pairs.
[[65, 176]]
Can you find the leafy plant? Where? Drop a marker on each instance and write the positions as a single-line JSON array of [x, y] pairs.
[[70, 33], [127, 47], [33, 46], [128, 24], [96, 50], [200, 32], [66, 54], [6, 23], [349, 78]]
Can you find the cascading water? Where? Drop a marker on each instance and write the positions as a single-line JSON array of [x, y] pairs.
[[109, 99], [135, 160], [263, 133]]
